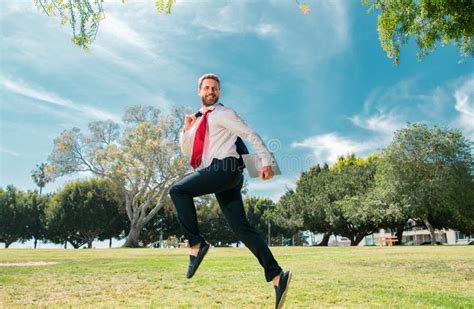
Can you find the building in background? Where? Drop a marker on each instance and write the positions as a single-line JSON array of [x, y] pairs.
[[418, 235]]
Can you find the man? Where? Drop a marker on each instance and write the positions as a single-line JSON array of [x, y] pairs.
[[210, 142]]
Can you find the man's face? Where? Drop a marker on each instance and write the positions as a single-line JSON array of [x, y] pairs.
[[209, 92]]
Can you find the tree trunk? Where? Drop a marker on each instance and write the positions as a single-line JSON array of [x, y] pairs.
[[9, 240], [133, 236], [358, 239], [110, 243], [431, 229], [75, 244], [36, 242], [399, 234], [65, 244], [325, 240], [89, 244]]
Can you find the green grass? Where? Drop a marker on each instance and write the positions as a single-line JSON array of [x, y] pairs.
[[378, 277]]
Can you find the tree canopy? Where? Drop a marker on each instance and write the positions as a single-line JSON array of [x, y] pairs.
[[428, 173], [85, 210], [335, 200], [22, 215], [429, 21], [41, 175], [141, 158]]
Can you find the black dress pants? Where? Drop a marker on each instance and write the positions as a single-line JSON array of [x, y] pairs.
[[224, 178]]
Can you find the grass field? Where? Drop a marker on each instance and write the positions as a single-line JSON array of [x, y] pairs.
[[378, 277]]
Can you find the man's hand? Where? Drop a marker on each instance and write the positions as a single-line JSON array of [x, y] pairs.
[[189, 121], [266, 172]]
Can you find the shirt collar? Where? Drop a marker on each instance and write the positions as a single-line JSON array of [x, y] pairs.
[[212, 107]]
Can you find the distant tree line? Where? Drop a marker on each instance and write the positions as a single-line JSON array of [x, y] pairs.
[[425, 175], [87, 210], [82, 211]]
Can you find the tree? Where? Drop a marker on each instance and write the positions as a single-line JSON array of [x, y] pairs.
[[164, 224], [13, 218], [143, 160], [213, 224], [151, 232], [258, 210], [41, 175], [34, 206], [286, 213], [10, 227], [83, 17], [428, 173], [314, 201], [352, 212], [84, 210], [22, 216], [429, 21], [261, 213], [337, 200]]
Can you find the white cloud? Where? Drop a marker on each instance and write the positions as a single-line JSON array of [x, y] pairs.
[[273, 188], [232, 17], [124, 33], [340, 22], [9, 152], [436, 105], [328, 147], [300, 41], [310, 40], [37, 93], [9, 7], [388, 110], [382, 123], [464, 105], [111, 56], [265, 29]]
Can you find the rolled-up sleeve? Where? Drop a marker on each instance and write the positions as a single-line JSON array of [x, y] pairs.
[[232, 121]]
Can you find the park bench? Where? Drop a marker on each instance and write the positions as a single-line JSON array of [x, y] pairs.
[[387, 240]]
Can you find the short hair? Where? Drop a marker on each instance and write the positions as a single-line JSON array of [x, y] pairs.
[[209, 76]]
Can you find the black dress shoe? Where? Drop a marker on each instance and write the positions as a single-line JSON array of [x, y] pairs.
[[195, 261], [282, 288]]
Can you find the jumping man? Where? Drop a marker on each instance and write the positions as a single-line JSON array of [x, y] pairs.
[[210, 141]]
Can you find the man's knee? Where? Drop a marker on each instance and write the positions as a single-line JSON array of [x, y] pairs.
[[175, 190]]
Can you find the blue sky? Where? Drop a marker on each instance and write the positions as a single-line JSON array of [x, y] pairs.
[[314, 86]]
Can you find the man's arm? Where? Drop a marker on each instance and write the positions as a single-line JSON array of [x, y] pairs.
[[232, 121], [185, 136]]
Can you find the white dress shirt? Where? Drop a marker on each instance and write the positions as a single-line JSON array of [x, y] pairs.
[[224, 126]]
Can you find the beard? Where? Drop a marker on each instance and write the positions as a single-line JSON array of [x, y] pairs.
[[209, 101]]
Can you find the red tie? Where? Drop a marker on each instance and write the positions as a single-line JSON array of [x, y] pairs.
[[198, 145]]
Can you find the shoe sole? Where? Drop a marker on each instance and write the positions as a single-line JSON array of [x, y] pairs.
[[283, 297], [199, 263]]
